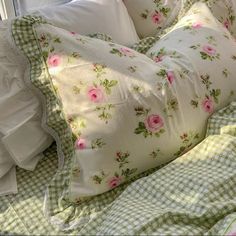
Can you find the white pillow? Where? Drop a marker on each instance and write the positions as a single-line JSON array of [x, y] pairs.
[[151, 17], [20, 117], [94, 16]]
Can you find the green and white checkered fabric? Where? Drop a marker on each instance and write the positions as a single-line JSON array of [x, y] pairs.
[[101, 36], [21, 214], [144, 45]]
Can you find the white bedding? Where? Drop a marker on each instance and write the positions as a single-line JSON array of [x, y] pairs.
[[21, 137]]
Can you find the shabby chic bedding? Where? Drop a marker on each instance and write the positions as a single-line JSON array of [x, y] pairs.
[[117, 115]]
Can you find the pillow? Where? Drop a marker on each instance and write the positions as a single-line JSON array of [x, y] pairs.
[[224, 11], [20, 116], [209, 47], [150, 17], [92, 16], [116, 113]]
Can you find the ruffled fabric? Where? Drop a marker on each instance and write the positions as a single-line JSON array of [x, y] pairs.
[[21, 137]]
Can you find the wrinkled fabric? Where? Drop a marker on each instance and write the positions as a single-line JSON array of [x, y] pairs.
[[21, 137]]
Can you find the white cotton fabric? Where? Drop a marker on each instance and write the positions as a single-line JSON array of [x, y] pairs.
[[94, 16], [21, 137]]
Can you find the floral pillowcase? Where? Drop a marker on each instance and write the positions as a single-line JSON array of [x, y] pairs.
[[225, 12], [116, 113], [150, 17]]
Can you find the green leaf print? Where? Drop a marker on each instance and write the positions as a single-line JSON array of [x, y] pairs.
[[144, 14], [97, 143], [141, 111], [128, 172], [141, 129], [225, 72], [206, 81], [108, 84], [122, 158], [105, 113], [215, 93], [155, 154], [194, 103], [98, 179], [188, 139], [116, 51]]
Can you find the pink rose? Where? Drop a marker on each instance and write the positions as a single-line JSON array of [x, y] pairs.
[[154, 123], [114, 182], [156, 17], [80, 143], [54, 60], [158, 59], [127, 52], [226, 24], [170, 76], [209, 50], [197, 25], [73, 33], [207, 105], [95, 94]]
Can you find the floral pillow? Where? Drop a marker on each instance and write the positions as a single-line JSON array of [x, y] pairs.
[[210, 48], [223, 10], [152, 16], [116, 113]]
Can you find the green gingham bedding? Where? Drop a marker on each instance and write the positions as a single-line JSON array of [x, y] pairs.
[[193, 195]]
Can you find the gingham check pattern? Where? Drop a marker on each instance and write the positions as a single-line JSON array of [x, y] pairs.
[[22, 214]]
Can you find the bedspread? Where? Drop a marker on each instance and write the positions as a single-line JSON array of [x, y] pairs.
[[193, 195]]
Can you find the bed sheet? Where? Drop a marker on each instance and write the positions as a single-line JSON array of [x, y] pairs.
[[21, 214]]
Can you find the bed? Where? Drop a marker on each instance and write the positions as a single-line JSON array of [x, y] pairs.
[[185, 188]]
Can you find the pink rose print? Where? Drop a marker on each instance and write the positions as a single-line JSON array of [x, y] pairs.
[[170, 76], [226, 24], [197, 25], [114, 182], [154, 123], [158, 59], [54, 60], [156, 17], [95, 94], [207, 105], [80, 143], [73, 33], [209, 50], [127, 52]]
